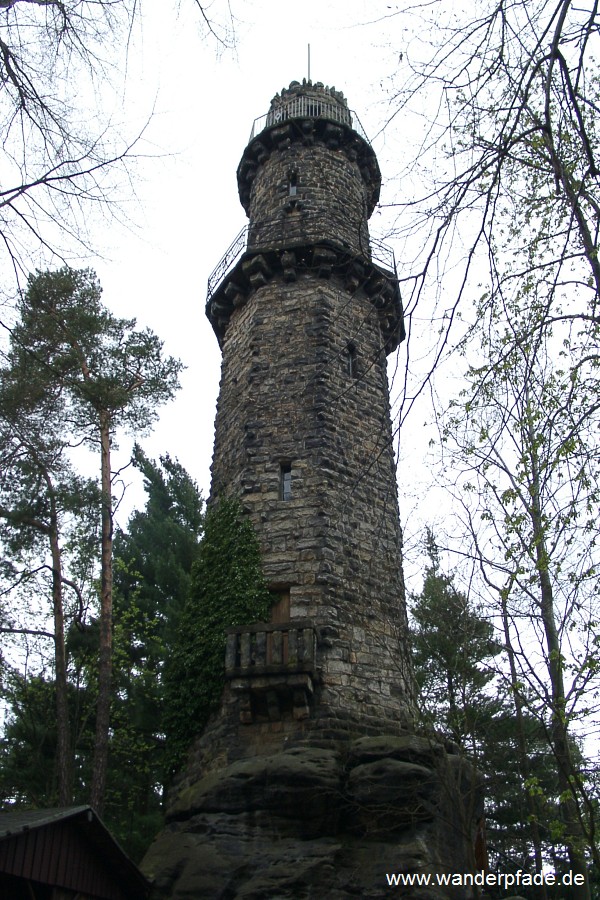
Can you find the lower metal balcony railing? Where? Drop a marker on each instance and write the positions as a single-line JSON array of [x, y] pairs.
[[270, 234]]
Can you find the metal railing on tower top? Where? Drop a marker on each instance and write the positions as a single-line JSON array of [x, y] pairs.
[[308, 108]]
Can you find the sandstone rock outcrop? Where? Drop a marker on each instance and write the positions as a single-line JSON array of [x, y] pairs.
[[312, 822]]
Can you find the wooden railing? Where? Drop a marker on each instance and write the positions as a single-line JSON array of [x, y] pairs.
[[271, 649]]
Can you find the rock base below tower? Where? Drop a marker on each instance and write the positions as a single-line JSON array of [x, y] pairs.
[[315, 822]]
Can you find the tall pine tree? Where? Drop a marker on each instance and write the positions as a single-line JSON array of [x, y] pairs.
[[68, 351]]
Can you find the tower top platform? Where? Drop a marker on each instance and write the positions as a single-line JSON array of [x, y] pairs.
[[308, 180], [308, 100], [303, 115]]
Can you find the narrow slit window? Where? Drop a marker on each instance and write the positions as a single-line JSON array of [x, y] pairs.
[[285, 481], [352, 361], [293, 184]]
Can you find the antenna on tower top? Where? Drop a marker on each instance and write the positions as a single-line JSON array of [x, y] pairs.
[[309, 62]]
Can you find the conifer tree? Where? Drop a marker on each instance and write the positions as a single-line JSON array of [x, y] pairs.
[[453, 646], [105, 375], [154, 556]]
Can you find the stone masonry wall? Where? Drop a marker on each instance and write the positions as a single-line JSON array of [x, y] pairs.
[[329, 203], [290, 394]]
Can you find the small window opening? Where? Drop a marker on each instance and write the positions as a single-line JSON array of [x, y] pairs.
[[293, 184], [280, 611], [352, 361], [285, 481]]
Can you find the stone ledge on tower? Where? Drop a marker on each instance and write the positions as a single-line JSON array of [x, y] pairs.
[[326, 259]]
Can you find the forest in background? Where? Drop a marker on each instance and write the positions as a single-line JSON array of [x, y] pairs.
[[497, 229]]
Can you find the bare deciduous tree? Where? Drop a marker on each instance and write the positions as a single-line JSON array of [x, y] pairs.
[[64, 152], [505, 222], [523, 453], [507, 179]]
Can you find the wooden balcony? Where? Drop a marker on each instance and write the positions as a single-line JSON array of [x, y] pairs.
[[271, 668], [270, 649]]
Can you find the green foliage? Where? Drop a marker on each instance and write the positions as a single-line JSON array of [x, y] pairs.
[[68, 345], [28, 751], [75, 373], [156, 553], [228, 589], [28, 746], [463, 696], [508, 812], [453, 644], [153, 564]]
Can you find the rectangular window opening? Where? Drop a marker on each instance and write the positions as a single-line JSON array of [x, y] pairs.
[[285, 481]]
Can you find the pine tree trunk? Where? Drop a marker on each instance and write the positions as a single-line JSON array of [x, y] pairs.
[[64, 761], [100, 763]]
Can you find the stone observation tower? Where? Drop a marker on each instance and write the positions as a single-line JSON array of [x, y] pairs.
[[311, 781]]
